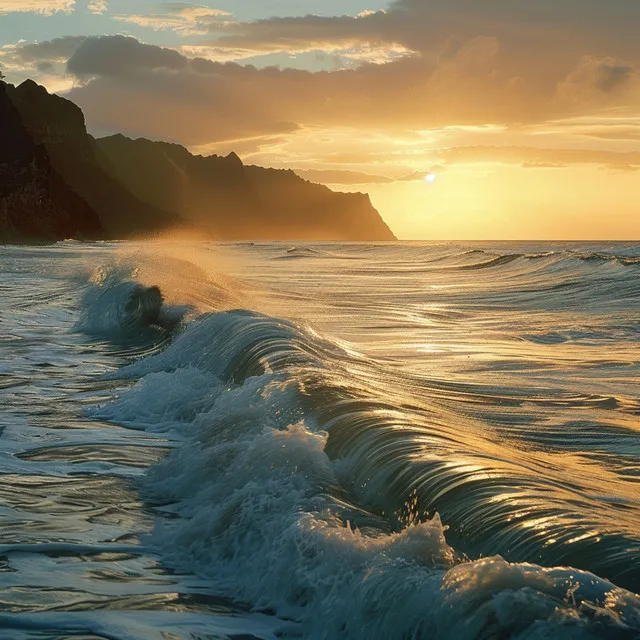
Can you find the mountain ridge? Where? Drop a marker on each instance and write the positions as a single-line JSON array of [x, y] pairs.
[[274, 204], [118, 188]]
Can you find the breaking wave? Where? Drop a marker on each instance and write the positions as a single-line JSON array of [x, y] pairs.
[[115, 305], [314, 482]]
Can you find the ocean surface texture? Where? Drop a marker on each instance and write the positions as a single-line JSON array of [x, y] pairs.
[[322, 441]]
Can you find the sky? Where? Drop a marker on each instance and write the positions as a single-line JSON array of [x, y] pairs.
[[524, 116]]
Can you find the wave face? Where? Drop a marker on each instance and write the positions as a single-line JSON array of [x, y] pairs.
[[404, 441]]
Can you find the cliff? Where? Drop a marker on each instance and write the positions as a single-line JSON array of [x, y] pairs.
[[306, 211], [35, 202], [212, 193], [234, 201], [57, 182], [58, 125]]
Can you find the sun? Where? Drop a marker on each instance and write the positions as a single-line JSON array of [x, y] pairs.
[[430, 177]]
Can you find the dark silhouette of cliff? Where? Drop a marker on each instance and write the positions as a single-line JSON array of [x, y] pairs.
[[58, 124], [212, 193], [235, 201], [57, 182], [302, 210], [35, 202]]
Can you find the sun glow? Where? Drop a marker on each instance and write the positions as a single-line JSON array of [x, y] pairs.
[[481, 200]]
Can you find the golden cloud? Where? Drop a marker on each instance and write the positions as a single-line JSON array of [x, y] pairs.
[[36, 6]]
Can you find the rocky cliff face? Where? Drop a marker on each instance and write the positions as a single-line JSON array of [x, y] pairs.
[[234, 201], [56, 182], [35, 202], [58, 125]]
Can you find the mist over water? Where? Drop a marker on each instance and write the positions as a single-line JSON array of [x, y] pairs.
[[320, 441]]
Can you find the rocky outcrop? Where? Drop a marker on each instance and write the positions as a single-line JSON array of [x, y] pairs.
[[234, 201], [35, 202]]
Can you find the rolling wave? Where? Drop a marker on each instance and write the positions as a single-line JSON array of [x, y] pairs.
[[295, 253], [366, 503]]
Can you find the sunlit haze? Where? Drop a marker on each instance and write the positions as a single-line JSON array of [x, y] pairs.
[[462, 119]]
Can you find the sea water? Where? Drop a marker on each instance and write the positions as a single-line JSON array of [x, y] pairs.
[[323, 441]]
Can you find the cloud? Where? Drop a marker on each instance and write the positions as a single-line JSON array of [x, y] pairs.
[[246, 147], [543, 165], [148, 90], [421, 175], [309, 33], [405, 94], [341, 58], [601, 81], [44, 60], [184, 19], [120, 56], [534, 158], [443, 63], [36, 6], [336, 176], [623, 168], [537, 48], [237, 40], [611, 75], [539, 32], [613, 132], [462, 85], [97, 6], [56, 50], [440, 63]]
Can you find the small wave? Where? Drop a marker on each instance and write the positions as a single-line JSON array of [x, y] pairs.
[[575, 336], [540, 256], [501, 260], [606, 257], [295, 253], [495, 262], [474, 252], [303, 252]]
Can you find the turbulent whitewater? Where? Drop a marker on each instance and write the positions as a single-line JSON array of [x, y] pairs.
[[323, 441]]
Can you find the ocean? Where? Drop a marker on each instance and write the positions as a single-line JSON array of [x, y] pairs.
[[362, 441]]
